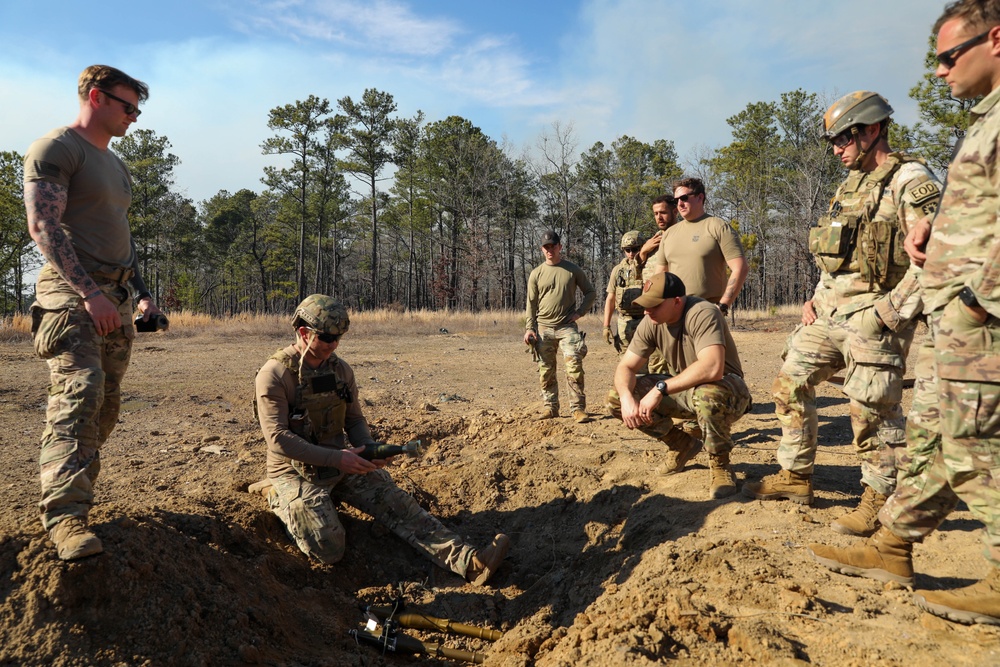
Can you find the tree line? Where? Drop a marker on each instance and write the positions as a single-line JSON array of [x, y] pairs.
[[382, 211]]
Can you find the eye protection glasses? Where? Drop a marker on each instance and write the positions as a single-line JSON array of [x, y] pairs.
[[130, 109], [325, 337], [684, 198], [949, 57]]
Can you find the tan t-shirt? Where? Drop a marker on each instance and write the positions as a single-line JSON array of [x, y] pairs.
[[702, 325], [697, 253], [99, 194], [275, 394]]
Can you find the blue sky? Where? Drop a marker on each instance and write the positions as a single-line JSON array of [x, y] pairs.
[[652, 69]]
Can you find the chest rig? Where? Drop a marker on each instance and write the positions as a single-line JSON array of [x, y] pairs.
[[318, 411], [628, 288], [851, 237]]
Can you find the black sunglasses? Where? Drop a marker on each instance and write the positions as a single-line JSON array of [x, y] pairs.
[[325, 337], [949, 57], [684, 198], [130, 109], [632, 248]]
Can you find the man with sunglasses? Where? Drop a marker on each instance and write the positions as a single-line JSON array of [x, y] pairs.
[[624, 285], [701, 249], [953, 430], [76, 195], [308, 409], [860, 319]]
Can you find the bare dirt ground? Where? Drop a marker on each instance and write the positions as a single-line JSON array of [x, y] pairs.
[[611, 564]]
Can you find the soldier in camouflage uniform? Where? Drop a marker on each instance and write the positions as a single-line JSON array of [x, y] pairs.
[[77, 193], [308, 408], [624, 285], [550, 326], [703, 382], [860, 319], [953, 433]]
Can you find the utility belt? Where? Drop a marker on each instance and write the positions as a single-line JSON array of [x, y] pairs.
[[120, 275]]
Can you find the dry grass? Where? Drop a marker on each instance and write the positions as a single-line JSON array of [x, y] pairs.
[[375, 322]]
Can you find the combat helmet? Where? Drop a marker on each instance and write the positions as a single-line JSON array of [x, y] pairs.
[[862, 107], [322, 313], [632, 239]]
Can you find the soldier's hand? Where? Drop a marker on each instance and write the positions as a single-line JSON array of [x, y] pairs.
[[808, 313], [916, 241], [529, 337], [609, 337], [353, 464], [650, 246], [103, 313]]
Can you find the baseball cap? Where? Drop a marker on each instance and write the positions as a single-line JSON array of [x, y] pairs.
[[659, 288], [550, 237]]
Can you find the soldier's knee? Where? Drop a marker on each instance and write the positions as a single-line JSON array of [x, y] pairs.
[[329, 547]]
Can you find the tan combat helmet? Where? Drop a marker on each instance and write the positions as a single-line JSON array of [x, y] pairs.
[[862, 107], [632, 239], [322, 313]]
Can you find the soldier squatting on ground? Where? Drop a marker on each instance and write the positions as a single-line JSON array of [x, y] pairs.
[[308, 407], [76, 194], [953, 430], [860, 318], [704, 380]]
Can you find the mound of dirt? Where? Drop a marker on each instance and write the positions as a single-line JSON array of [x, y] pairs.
[[611, 564]]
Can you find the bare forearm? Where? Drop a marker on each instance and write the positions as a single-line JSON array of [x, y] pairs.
[[737, 276], [45, 204]]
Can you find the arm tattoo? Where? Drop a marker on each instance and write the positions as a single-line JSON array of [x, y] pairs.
[[45, 204]]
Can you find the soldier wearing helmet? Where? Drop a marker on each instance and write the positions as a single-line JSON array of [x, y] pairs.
[[861, 316], [306, 400], [624, 285]]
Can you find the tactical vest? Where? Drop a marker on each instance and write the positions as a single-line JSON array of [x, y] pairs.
[[628, 288], [848, 239], [317, 413]]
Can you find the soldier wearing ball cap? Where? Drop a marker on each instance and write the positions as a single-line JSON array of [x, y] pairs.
[[624, 285], [308, 408], [861, 316], [703, 379]]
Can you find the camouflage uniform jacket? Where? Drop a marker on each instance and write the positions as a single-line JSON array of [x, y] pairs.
[[964, 250], [627, 280], [873, 266]]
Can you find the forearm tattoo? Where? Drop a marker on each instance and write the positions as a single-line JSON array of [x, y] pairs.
[[45, 204]]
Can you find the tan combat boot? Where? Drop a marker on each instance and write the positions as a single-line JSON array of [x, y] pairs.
[[581, 416], [74, 540], [486, 561], [678, 458], [786, 484], [723, 482], [978, 603], [883, 556], [547, 412], [863, 521]]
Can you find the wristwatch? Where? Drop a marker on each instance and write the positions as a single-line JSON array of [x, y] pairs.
[[724, 307], [661, 387], [968, 298]]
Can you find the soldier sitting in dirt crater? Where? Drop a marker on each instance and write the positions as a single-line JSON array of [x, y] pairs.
[[308, 408], [704, 380]]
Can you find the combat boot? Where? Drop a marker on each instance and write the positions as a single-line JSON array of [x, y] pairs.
[[74, 540], [581, 416], [678, 458], [723, 482], [884, 556], [863, 521], [548, 412], [786, 484], [486, 561], [978, 603]]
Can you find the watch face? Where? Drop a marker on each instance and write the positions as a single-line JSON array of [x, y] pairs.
[[661, 387]]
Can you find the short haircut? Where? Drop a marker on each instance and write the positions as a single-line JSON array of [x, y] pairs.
[[103, 77], [693, 184], [667, 199], [975, 14]]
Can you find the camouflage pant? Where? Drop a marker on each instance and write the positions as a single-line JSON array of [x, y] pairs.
[[568, 340], [85, 374], [715, 407], [873, 381], [308, 512], [952, 454]]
